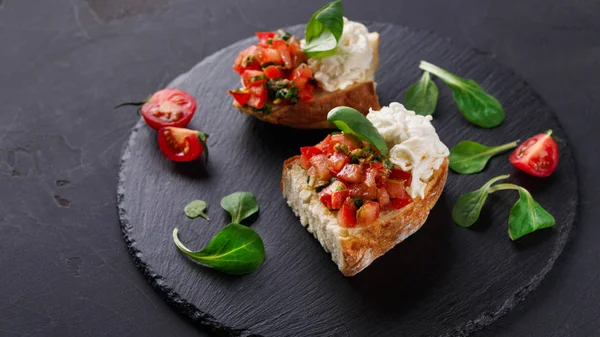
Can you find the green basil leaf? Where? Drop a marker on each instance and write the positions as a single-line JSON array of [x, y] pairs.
[[422, 96], [236, 249], [195, 209], [468, 207], [527, 216], [469, 157], [240, 205], [352, 122], [324, 29], [476, 105]]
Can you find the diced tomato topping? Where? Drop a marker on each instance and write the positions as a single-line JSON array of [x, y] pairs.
[[325, 198], [347, 214], [302, 70], [398, 203], [269, 56], [337, 161], [398, 174], [370, 176], [253, 78], [334, 195], [240, 96], [283, 50], [258, 96], [325, 145], [308, 152], [340, 138], [273, 72], [367, 213], [306, 92], [296, 51], [319, 162], [352, 173], [263, 37], [248, 59], [363, 191], [383, 197], [396, 188]]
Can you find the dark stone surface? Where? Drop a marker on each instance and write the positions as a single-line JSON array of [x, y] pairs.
[[442, 281], [66, 271]]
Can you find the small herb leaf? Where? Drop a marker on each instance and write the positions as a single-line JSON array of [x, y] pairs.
[[236, 249], [240, 205], [422, 96], [352, 122], [527, 216], [324, 29], [469, 157], [468, 207], [195, 209], [478, 107], [203, 137]]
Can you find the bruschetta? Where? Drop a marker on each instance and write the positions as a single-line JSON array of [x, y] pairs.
[[282, 85], [358, 203]]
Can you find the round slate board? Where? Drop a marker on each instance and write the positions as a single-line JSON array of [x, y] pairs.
[[444, 280]]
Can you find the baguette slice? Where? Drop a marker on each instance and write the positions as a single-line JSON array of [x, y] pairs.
[[313, 114], [354, 249]]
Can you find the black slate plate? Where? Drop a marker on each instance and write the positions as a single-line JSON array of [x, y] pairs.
[[444, 280]]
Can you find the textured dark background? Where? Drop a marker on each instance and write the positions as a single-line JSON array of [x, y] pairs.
[[64, 63]]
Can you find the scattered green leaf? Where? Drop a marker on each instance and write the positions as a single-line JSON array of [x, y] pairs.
[[195, 209], [352, 122], [240, 205], [324, 30], [469, 157], [422, 96], [236, 249], [468, 207], [478, 107], [203, 137]]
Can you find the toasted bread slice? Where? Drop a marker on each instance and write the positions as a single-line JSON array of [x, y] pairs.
[[353, 249], [313, 114]]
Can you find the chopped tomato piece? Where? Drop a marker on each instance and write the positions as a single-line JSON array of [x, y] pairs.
[[371, 176], [240, 96], [363, 191], [383, 197], [347, 214], [325, 198], [352, 173], [319, 162], [248, 59], [367, 213], [396, 188], [298, 56], [263, 37], [337, 161], [258, 96], [273, 72], [306, 92], [398, 203], [283, 50], [398, 174], [302, 70], [269, 56], [334, 195], [308, 152], [325, 145], [345, 140], [253, 78]]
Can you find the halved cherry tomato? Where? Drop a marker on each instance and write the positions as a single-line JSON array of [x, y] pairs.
[[258, 96], [253, 78], [273, 72], [367, 213], [181, 145], [306, 92], [537, 156], [308, 152], [347, 214], [169, 107], [283, 50], [240, 96], [352, 173], [263, 37]]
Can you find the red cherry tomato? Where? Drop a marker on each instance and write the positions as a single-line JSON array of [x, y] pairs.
[[181, 145], [167, 107], [537, 156]]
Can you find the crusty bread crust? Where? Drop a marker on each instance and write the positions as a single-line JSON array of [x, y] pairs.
[[313, 114], [362, 245]]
